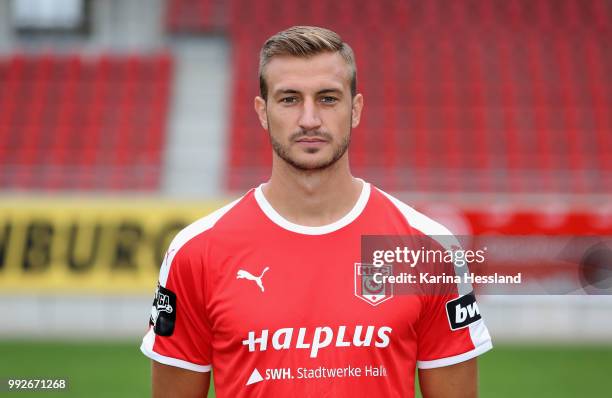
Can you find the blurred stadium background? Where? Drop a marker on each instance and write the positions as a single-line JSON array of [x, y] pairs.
[[123, 120]]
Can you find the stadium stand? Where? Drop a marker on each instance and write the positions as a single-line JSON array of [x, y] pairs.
[[196, 16], [500, 96], [74, 122], [519, 222]]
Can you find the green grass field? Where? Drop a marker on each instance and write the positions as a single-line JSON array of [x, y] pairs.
[[97, 369]]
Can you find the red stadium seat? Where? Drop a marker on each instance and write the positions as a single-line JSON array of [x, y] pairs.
[[460, 97], [81, 123], [196, 16]]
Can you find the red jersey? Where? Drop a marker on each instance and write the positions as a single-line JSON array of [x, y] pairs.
[[274, 307]]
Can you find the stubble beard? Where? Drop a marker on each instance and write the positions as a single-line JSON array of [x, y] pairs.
[[283, 151]]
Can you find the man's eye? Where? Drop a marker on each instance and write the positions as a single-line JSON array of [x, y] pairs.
[[329, 100], [288, 100]]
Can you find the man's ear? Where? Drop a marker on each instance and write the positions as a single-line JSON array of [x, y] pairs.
[[260, 108], [356, 111]]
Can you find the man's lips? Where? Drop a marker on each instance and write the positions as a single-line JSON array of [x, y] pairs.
[[311, 140]]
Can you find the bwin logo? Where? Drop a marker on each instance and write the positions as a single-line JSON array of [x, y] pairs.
[[462, 311], [242, 274], [461, 314]]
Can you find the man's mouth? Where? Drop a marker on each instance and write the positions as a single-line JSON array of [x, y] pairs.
[[311, 139]]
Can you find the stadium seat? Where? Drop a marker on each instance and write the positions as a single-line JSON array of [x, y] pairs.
[[196, 16], [83, 123], [501, 96]]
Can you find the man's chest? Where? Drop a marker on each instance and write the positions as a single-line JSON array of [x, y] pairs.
[[306, 299]]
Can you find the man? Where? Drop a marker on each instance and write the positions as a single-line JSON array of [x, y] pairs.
[[263, 290]]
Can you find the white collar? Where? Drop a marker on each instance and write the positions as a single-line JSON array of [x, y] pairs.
[[279, 220]]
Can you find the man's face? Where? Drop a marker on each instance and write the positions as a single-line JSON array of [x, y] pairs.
[[309, 112]]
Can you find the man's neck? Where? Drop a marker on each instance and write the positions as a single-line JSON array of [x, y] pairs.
[[312, 198]]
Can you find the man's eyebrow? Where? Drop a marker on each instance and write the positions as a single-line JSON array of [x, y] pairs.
[[329, 91], [286, 91], [293, 91]]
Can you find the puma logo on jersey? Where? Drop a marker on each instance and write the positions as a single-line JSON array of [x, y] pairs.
[[242, 274]]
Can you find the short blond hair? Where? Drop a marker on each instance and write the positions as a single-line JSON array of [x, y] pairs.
[[304, 42]]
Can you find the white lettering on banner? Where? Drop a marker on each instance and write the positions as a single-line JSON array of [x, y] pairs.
[[252, 341], [300, 342], [287, 332], [318, 343], [323, 372], [278, 374], [357, 342], [340, 339], [384, 338], [375, 371], [322, 337], [320, 372], [461, 314]]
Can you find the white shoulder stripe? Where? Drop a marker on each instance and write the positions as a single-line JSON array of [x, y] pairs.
[[436, 231], [186, 234], [424, 224]]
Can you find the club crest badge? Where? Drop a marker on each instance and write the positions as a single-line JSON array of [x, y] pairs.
[[368, 283]]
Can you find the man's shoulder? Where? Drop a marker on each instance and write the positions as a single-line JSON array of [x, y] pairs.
[[191, 242], [414, 218], [210, 223]]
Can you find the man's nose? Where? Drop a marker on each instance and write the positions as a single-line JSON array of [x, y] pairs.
[[309, 119]]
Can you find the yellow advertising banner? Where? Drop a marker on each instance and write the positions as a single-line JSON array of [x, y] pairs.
[[85, 245]]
